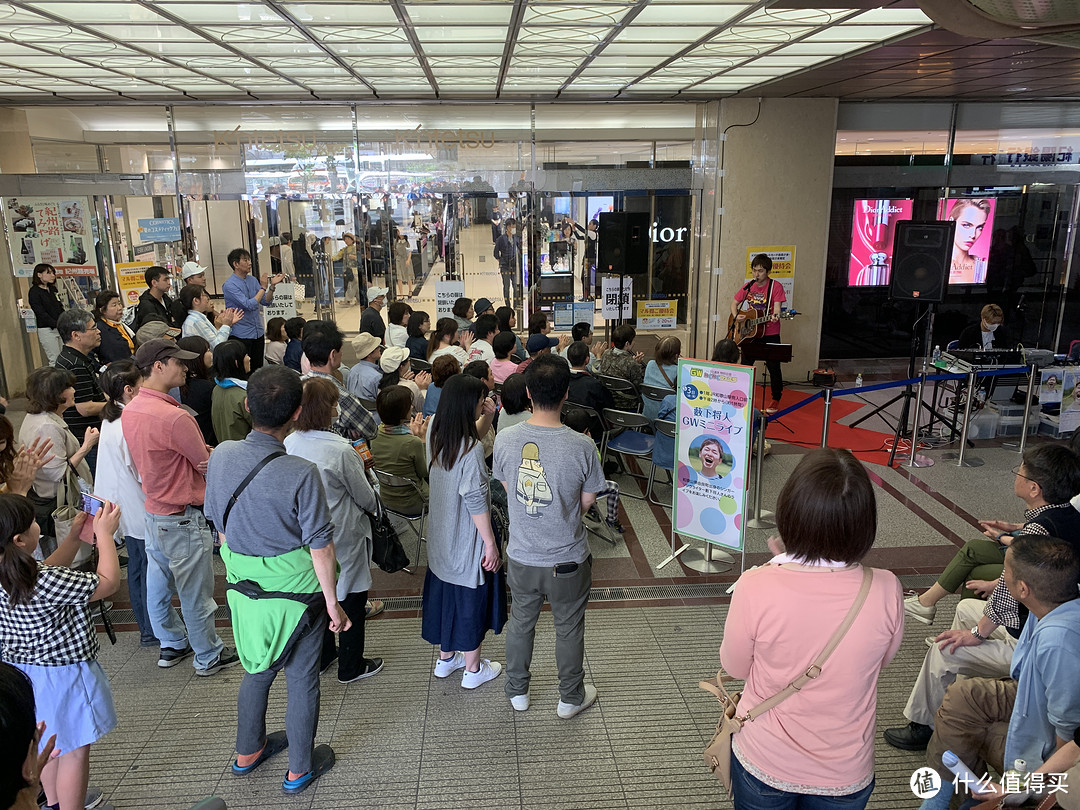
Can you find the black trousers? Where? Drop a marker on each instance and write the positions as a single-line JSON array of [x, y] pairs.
[[351, 642], [255, 349], [776, 374]]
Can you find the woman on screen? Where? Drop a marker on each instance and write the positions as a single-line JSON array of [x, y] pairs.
[[971, 217]]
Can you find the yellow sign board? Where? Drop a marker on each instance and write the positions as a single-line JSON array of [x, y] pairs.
[[657, 314], [783, 266], [131, 277]]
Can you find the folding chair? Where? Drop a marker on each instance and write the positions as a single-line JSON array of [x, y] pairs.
[[655, 392], [630, 441], [594, 417], [617, 385], [390, 480], [663, 456], [368, 404], [419, 365]]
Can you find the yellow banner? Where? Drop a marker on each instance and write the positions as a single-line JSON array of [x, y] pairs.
[[783, 260], [131, 276]]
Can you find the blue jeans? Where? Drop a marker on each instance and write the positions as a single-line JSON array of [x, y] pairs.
[[750, 793], [136, 579], [179, 550]]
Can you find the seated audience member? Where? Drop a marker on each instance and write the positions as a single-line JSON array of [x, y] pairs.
[[322, 347], [783, 615], [579, 422], [984, 634], [197, 301], [463, 314], [351, 499], [442, 369], [585, 389], [276, 341], [365, 376], [231, 368], [273, 546], [727, 351], [483, 306], [294, 351], [397, 370], [983, 335], [482, 371], [504, 364], [397, 333], [441, 341], [995, 721], [398, 451], [117, 340], [155, 330], [661, 372], [47, 633], [516, 407], [583, 331], [197, 392], [418, 328], [484, 331], [507, 319], [621, 361], [539, 344], [539, 324]]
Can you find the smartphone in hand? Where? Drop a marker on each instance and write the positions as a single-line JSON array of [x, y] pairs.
[[91, 504]]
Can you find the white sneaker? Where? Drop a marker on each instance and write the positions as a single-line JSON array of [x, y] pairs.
[[489, 671], [568, 710], [446, 668], [918, 611], [520, 702]]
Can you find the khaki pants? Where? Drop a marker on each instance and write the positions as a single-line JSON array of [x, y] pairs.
[[991, 659], [972, 723]]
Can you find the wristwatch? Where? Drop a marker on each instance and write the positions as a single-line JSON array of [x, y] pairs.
[[975, 632]]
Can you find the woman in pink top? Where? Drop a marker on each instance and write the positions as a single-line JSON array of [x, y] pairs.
[[814, 750], [504, 364]]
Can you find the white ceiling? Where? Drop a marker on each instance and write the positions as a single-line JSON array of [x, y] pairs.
[[356, 50]]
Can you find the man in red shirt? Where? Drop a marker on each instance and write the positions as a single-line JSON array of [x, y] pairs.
[[762, 297], [170, 456]]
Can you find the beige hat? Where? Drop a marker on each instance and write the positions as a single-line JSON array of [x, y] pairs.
[[392, 358], [151, 330], [190, 269], [365, 343]]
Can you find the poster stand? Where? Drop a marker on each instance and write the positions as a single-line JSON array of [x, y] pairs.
[[708, 561]]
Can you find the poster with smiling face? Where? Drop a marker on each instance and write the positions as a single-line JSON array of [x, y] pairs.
[[971, 242], [712, 450]]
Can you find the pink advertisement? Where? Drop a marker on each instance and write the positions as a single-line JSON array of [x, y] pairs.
[[971, 245], [872, 229]]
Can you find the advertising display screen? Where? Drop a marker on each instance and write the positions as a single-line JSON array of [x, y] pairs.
[[872, 229], [971, 244]]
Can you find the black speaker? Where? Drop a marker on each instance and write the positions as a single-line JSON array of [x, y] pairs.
[[623, 243], [921, 256]]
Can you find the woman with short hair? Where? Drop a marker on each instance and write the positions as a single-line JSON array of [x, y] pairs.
[[117, 341], [231, 368], [820, 741]]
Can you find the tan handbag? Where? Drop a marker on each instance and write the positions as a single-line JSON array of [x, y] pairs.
[[68, 506], [717, 753]]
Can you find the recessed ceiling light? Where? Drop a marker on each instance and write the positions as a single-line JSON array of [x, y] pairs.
[[1016, 89]]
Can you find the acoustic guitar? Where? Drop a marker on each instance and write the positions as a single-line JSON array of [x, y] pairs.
[[754, 327]]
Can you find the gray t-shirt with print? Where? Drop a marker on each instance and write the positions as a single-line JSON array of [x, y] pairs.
[[546, 469]]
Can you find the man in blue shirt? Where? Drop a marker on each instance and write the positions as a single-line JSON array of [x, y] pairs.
[[996, 721], [245, 292], [365, 376]]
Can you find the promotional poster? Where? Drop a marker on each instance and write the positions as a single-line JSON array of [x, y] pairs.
[[712, 450], [971, 244], [56, 232], [873, 226]]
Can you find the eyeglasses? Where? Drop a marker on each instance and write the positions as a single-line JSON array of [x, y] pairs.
[[1016, 471]]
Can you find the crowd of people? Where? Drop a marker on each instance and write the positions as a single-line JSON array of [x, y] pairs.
[[207, 432]]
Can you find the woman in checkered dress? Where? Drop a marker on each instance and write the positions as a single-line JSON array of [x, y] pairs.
[[46, 631]]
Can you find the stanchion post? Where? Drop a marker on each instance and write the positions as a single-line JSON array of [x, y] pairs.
[[1027, 407], [969, 395], [915, 419], [760, 519], [825, 418]]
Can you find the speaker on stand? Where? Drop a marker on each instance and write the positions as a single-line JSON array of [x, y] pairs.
[[922, 254]]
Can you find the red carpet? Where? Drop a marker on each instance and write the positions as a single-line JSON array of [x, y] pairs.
[[805, 423]]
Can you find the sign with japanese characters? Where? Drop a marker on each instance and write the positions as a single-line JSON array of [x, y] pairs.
[[131, 281], [568, 313], [56, 232], [159, 229], [610, 288], [284, 303], [783, 267], [656, 314], [712, 450], [446, 293]]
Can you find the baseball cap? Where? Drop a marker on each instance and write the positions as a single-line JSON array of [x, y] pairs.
[[482, 305], [538, 342], [392, 358], [160, 349], [375, 292], [191, 269]]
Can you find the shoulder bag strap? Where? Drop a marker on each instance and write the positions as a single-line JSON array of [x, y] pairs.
[[814, 670], [243, 485], [666, 377]]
